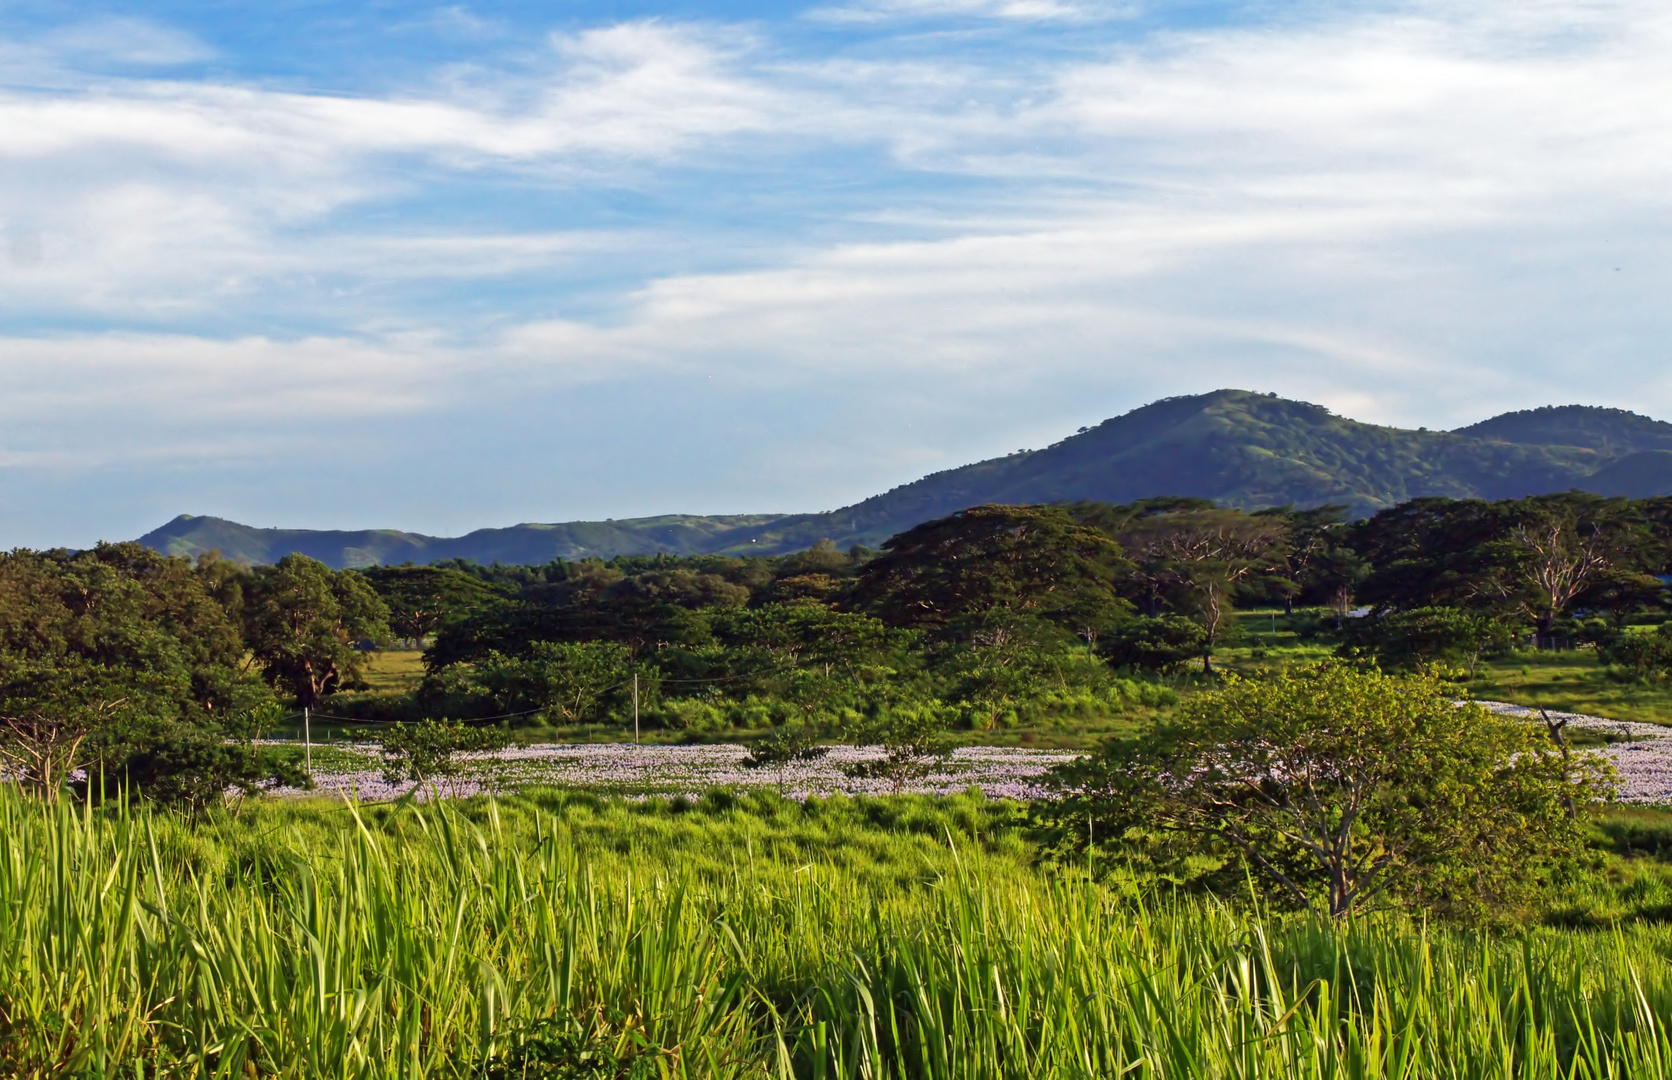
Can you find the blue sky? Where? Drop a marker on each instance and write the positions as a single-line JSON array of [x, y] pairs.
[[441, 267]]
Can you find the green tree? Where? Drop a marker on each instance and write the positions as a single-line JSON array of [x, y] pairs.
[[567, 681], [1036, 561], [304, 622], [789, 745], [913, 740], [421, 598], [1405, 640], [1198, 558], [1343, 790], [102, 652], [429, 751], [1159, 643], [1639, 656]]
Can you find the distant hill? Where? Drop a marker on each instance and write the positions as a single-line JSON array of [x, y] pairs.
[[1612, 431], [676, 534], [1239, 448]]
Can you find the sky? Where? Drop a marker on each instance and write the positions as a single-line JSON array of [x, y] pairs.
[[367, 264]]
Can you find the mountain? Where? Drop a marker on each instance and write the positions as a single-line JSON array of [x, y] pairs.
[[1612, 431], [677, 534], [1242, 449]]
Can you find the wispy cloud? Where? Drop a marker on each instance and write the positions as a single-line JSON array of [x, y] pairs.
[[883, 247], [876, 11]]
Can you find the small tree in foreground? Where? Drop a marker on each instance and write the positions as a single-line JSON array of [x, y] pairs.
[[913, 741], [1342, 791], [792, 745], [428, 751]]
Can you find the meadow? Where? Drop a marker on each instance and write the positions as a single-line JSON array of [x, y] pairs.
[[560, 934]]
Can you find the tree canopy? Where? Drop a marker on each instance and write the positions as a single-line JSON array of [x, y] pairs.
[[1343, 789]]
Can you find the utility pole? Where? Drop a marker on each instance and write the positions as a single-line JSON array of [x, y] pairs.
[[307, 744], [635, 707]]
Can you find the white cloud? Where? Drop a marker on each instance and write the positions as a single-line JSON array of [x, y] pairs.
[[1034, 10], [1411, 216]]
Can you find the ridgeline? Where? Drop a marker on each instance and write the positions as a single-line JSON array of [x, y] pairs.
[[1238, 448]]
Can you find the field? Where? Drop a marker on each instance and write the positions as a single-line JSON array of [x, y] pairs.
[[566, 935], [1569, 681]]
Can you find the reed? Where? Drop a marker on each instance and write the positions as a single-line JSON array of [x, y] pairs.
[[591, 938]]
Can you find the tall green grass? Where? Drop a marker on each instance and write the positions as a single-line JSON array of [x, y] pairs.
[[590, 938]]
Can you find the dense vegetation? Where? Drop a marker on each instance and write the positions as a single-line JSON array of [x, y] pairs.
[[1289, 861], [564, 936], [1084, 619]]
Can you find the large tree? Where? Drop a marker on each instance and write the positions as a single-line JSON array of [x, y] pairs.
[[306, 623], [421, 598], [1197, 559], [1342, 790], [114, 659], [1036, 561]]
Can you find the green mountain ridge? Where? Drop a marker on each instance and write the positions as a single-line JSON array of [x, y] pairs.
[[1239, 448]]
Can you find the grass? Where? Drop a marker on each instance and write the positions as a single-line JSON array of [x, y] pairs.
[[396, 669], [1569, 681], [562, 935]]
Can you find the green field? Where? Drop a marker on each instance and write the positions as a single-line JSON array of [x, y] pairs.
[[1568, 681], [561, 935]]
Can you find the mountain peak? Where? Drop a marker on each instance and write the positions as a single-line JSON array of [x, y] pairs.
[[1612, 431], [1238, 448]]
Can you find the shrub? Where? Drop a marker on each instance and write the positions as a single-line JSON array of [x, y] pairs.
[[1159, 643]]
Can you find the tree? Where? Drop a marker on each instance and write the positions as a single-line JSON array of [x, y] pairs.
[[783, 747], [1159, 643], [913, 742], [1342, 790], [304, 622], [567, 681], [1200, 556], [197, 766], [1640, 656], [101, 651], [1424, 636], [421, 598], [1034, 560], [428, 751]]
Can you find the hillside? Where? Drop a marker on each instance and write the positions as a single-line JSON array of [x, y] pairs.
[[677, 534], [1239, 448]]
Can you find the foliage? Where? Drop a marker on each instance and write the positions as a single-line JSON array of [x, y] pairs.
[[1031, 560], [303, 622], [1641, 656], [197, 766], [783, 747], [913, 741], [101, 651], [1157, 643], [1407, 640], [736, 939], [1343, 789], [567, 682], [428, 751], [1536, 558], [420, 599], [1196, 559]]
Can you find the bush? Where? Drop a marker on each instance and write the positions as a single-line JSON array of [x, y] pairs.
[[1159, 643], [1407, 640], [1640, 656]]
